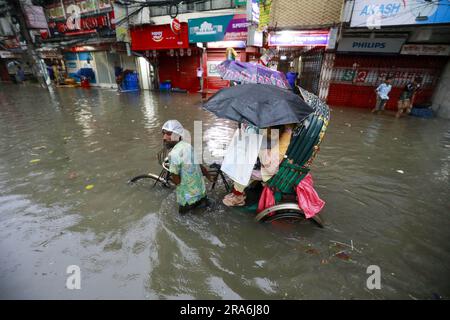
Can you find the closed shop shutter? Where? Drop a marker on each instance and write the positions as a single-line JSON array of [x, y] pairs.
[[355, 78], [102, 66], [181, 71]]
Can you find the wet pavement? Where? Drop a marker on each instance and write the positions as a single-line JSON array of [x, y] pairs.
[[65, 158]]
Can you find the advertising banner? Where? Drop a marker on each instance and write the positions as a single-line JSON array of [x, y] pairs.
[[264, 14], [377, 13], [298, 38], [159, 37], [221, 28], [121, 22], [35, 17], [79, 17], [253, 11]]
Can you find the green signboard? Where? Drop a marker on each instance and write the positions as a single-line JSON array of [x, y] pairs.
[[221, 28]]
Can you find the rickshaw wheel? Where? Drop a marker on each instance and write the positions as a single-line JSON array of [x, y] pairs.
[[289, 211], [152, 178]]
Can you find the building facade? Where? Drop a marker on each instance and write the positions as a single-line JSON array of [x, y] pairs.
[[84, 32], [380, 38], [186, 58]]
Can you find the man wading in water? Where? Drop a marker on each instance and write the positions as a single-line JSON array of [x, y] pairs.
[[188, 176]]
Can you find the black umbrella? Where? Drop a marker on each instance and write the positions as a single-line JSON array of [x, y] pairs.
[[261, 105]]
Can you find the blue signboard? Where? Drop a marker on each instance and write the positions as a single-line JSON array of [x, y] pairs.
[[221, 28]]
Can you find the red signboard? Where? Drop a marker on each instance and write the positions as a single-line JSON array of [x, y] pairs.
[[82, 26], [159, 37]]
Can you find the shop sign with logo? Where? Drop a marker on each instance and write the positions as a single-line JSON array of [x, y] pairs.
[[298, 38], [81, 17], [221, 28], [175, 25], [387, 45], [159, 37], [426, 49], [377, 13]]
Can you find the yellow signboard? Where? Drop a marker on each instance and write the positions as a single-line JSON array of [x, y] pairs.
[[264, 14]]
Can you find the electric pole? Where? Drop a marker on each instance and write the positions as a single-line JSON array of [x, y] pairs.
[[17, 11]]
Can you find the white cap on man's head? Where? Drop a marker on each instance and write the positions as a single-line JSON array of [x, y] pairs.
[[174, 126]]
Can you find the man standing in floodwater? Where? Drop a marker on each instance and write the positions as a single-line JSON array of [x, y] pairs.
[[382, 95], [187, 175], [406, 100]]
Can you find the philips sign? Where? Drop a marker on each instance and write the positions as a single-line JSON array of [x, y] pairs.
[[387, 45], [368, 45]]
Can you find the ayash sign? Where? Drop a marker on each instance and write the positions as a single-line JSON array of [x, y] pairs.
[[387, 45], [377, 13]]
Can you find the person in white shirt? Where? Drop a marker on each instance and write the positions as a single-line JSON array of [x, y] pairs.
[[382, 95]]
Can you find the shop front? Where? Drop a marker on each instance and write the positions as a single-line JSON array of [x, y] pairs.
[[90, 24], [303, 51], [406, 40], [169, 60], [8, 65], [362, 63], [102, 59], [69, 19], [216, 36]]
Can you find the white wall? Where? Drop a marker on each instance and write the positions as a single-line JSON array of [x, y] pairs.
[[441, 98]]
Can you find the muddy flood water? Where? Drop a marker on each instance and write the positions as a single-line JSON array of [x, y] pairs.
[[385, 182]]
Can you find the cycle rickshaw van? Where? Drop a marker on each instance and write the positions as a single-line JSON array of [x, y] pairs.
[[310, 116]]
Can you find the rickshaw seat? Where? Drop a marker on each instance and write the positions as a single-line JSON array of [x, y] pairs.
[[302, 149]]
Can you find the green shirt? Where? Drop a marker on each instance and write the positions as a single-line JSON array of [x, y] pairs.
[[181, 162]]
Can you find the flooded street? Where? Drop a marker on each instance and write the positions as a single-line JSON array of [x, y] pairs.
[[385, 182]]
